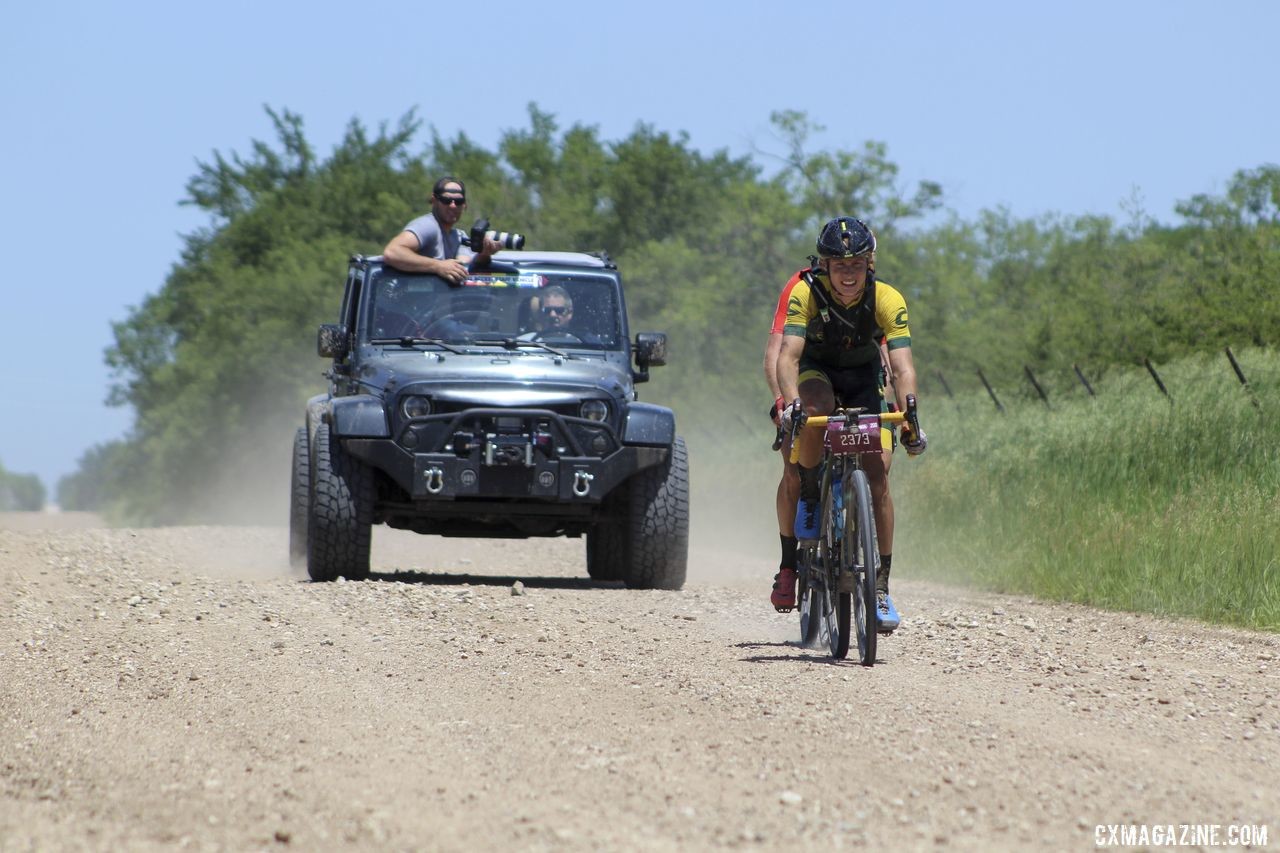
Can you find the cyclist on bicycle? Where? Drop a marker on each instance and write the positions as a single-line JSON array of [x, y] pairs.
[[830, 357], [788, 493], [789, 483]]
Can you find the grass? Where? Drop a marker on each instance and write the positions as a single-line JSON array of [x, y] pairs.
[[1127, 501]]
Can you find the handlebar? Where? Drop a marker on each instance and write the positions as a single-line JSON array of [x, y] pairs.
[[910, 420]]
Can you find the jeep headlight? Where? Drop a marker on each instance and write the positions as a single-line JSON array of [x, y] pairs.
[[416, 406], [595, 410]]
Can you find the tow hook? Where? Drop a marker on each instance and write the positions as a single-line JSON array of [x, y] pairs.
[[582, 483], [435, 480]]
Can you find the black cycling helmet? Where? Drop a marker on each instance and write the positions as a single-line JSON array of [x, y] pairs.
[[845, 237]]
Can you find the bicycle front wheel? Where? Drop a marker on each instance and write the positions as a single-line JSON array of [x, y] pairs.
[[858, 566], [836, 604]]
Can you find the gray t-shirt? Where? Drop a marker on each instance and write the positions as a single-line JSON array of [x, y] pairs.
[[434, 243]]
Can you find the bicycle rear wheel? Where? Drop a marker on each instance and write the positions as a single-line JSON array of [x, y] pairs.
[[810, 589], [859, 561], [836, 609]]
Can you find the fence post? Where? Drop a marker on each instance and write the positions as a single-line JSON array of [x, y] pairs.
[[945, 386], [987, 385], [1156, 376], [1036, 385], [1083, 381], [1235, 365]]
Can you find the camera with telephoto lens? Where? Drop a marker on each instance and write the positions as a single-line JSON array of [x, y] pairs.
[[505, 239]]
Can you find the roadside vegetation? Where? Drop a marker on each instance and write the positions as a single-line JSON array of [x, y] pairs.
[[20, 492], [1128, 500]]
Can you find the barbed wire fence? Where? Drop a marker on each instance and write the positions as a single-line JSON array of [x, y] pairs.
[[1039, 390]]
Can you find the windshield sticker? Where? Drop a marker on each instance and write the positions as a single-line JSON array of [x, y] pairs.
[[521, 280]]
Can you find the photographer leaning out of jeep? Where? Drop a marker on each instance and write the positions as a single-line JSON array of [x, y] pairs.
[[433, 243]]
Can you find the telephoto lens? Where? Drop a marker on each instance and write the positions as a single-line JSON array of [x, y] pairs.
[[506, 239]]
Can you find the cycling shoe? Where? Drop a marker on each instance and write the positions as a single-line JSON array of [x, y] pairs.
[[887, 617], [783, 597], [806, 519]]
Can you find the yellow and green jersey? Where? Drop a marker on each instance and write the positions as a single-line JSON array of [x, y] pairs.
[[846, 335]]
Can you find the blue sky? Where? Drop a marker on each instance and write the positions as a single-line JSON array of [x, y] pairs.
[[1038, 107]]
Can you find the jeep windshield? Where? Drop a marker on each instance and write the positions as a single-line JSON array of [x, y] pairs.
[[561, 310]]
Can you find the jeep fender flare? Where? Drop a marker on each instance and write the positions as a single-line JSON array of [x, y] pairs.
[[356, 416], [649, 425]]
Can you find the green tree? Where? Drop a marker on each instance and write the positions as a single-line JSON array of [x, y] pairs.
[[20, 492]]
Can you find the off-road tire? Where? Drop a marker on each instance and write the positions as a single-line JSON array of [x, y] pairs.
[[341, 516], [299, 499], [656, 535]]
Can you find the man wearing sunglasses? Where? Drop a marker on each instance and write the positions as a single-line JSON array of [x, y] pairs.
[[557, 308], [433, 243]]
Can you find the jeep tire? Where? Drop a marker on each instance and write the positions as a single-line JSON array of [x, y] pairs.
[[643, 538], [341, 512], [299, 499]]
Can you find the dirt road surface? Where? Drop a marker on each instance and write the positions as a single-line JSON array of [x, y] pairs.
[[183, 689]]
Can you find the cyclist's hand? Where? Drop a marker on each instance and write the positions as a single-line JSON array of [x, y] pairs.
[[789, 416], [915, 444], [778, 405]]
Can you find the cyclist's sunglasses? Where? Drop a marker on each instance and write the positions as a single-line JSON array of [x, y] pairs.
[[450, 201], [556, 309]]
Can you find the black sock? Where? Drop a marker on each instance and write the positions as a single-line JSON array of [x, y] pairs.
[[788, 552], [882, 576]]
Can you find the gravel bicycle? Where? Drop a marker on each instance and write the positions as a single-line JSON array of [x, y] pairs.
[[836, 573]]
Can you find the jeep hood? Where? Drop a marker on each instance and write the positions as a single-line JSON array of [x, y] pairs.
[[512, 380]]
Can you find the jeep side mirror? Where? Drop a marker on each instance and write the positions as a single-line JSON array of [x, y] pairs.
[[650, 351], [333, 341]]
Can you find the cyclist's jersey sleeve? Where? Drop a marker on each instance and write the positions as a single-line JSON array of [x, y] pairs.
[[780, 313], [890, 313], [891, 316]]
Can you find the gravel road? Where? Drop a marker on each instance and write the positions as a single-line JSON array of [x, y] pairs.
[[182, 688]]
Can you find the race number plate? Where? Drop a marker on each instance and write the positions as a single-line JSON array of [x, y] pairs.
[[860, 437]]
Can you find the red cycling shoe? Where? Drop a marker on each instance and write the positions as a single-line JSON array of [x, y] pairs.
[[783, 597]]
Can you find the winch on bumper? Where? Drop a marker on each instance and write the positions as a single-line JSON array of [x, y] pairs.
[[503, 453]]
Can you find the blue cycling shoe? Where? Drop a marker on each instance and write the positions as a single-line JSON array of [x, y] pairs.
[[806, 519], [887, 617]]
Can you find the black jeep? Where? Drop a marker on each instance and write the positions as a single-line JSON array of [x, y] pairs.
[[504, 406]]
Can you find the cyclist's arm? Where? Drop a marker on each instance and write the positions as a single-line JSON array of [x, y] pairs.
[[904, 374], [789, 366], [771, 352], [774, 346]]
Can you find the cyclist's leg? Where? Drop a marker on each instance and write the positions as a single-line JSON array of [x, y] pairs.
[[818, 398], [788, 491], [881, 501], [783, 594]]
